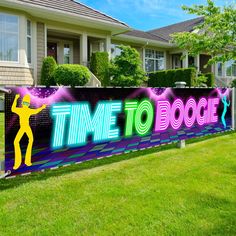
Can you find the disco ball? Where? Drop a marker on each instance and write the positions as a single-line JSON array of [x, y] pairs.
[[158, 91], [42, 92]]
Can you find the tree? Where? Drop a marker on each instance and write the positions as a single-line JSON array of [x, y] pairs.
[[99, 65], [47, 71], [216, 35], [126, 69]]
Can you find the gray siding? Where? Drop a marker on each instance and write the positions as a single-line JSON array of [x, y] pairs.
[[40, 48], [16, 76]]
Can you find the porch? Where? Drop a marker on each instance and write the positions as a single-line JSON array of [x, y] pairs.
[[72, 48], [198, 62]]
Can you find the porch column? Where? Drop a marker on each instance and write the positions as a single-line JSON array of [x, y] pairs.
[[84, 49], [143, 59], [185, 60], [197, 62], [108, 45], [165, 60]]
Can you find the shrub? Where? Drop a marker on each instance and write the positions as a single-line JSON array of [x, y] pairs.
[[167, 78], [233, 83], [47, 71], [100, 66], [210, 79], [201, 81], [72, 75], [126, 69]]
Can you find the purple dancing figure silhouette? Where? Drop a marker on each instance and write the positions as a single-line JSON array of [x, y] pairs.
[[226, 105]]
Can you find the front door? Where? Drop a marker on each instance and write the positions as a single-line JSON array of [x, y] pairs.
[[52, 50]]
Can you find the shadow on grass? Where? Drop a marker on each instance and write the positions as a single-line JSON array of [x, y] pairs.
[[211, 205], [38, 176]]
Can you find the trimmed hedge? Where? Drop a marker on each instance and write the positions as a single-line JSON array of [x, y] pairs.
[[167, 78], [99, 66], [233, 84], [72, 75], [47, 71], [210, 79]]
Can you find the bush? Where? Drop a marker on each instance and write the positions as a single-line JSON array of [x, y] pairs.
[[126, 69], [210, 82], [72, 75], [167, 78], [201, 81], [47, 71], [100, 66], [233, 83]]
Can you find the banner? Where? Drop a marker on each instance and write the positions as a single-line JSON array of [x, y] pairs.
[[52, 127]]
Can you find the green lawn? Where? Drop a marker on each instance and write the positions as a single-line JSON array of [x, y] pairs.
[[190, 191]]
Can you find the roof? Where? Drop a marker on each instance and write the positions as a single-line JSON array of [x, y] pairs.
[[145, 35], [185, 26], [71, 6], [163, 34]]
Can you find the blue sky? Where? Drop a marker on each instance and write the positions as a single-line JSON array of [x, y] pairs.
[[147, 14]]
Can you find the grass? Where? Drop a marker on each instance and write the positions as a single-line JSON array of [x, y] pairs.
[[191, 191]]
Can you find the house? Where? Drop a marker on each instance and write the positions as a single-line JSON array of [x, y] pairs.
[[70, 32]]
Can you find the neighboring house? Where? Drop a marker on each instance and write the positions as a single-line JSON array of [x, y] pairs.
[[70, 32]]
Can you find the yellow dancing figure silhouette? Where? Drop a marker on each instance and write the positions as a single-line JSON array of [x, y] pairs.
[[24, 114]]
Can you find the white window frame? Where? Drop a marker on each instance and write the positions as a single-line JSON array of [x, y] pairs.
[[154, 58], [71, 57], [230, 76], [116, 49], [18, 42], [224, 71], [30, 37]]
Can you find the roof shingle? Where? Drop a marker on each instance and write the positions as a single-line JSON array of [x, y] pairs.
[[71, 6], [145, 35], [185, 26]]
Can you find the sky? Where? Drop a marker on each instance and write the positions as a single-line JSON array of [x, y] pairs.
[[147, 14]]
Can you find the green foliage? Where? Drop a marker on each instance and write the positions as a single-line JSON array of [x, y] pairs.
[[167, 78], [100, 66], [201, 81], [126, 69], [216, 36], [233, 83], [47, 71], [210, 79], [72, 75]]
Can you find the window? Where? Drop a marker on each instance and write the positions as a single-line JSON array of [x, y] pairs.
[[154, 60], [29, 42], [9, 37], [67, 54], [115, 51], [230, 67], [176, 61], [220, 69]]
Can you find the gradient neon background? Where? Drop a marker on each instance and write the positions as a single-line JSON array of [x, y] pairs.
[[43, 157]]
